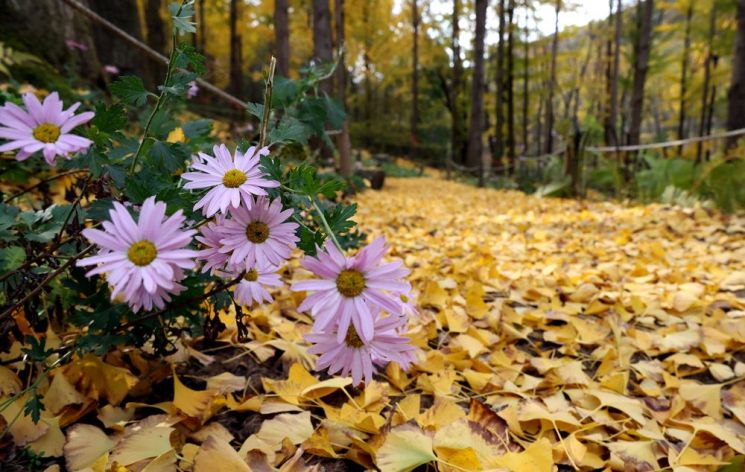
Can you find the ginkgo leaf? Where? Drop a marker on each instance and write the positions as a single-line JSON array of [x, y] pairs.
[[638, 455], [217, 453], [704, 397], [535, 458], [405, 448], [85, 445], [294, 427], [226, 382], [148, 438], [191, 402], [165, 462], [61, 393], [10, 384], [321, 389], [52, 442]]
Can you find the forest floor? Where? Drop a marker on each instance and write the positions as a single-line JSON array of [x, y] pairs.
[[552, 331]]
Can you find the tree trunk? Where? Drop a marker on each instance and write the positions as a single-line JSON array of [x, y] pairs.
[[549, 143], [475, 131], [684, 76], [156, 34], [414, 79], [322, 49], [456, 138], [236, 69], [202, 25], [343, 143], [641, 66], [707, 79], [499, 74], [510, 84], [613, 111], [282, 36], [608, 128], [736, 94], [111, 50], [526, 84]]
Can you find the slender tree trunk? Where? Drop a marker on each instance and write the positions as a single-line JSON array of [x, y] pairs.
[[414, 79], [526, 83], [707, 79], [500, 82], [613, 112], [202, 25], [475, 131], [456, 147], [368, 71], [156, 34], [712, 100], [684, 76], [282, 36], [236, 66], [343, 143], [736, 94], [510, 84], [322, 48], [609, 78], [549, 143], [641, 66]]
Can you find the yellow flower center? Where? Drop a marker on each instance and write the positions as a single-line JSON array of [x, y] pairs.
[[233, 178], [257, 232], [142, 253], [251, 276], [350, 283], [353, 339], [47, 133]]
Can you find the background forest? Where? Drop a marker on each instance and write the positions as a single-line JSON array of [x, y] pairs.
[[482, 87]]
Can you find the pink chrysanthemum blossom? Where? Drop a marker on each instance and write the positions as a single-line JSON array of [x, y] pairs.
[[210, 236], [259, 235], [348, 353], [252, 289], [42, 127], [231, 179], [158, 299], [146, 255], [351, 288]]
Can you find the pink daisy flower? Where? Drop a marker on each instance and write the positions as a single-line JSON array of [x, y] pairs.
[[259, 235], [348, 353], [351, 288], [143, 298], [252, 289], [42, 127], [146, 255], [210, 236], [231, 179]]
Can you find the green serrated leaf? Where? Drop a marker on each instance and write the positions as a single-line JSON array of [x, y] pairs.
[[130, 89], [11, 258]]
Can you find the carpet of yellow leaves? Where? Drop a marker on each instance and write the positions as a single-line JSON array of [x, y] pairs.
[[582, 335]]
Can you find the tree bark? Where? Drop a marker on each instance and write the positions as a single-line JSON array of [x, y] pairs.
[[202, 20], [641, 66], [526, 83], [156, 33], [500, 82], [111, 50], [475, 131], [736, 93], [322, 49], [510, 84], [343, 143], [707, 79], [282, 36], [456, 133], [549, 142], [414, 79], [613, 111], [236, 69], [684, 76]]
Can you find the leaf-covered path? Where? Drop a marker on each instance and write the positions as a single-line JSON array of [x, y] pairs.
[[589, 335], [621, 328]]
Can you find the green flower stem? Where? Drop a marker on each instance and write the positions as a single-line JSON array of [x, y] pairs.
[[325, 223]]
